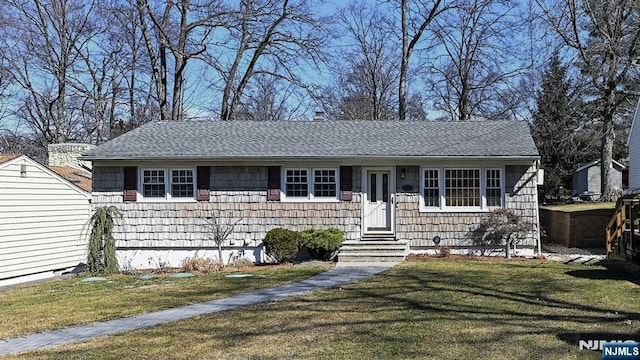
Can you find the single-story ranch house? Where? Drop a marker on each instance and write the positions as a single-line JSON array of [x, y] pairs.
[[397, 181]]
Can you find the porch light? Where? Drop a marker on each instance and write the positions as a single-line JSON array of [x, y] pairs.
[[403, 173]]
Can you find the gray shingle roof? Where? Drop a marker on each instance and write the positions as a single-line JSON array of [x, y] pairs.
[[319, 139]]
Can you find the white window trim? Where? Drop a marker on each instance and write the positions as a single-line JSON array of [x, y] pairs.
[[167, 185], [423, 206], [483, 191], [310, 188]]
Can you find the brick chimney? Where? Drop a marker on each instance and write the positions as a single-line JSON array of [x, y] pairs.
[[68, 154]]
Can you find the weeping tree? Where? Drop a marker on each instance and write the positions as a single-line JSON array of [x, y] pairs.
[[102, 245]]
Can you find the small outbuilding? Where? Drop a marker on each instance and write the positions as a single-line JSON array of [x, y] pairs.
[[44, 219], [586, 179]]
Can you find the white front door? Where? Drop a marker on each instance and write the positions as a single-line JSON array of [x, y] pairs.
[[378, 201]]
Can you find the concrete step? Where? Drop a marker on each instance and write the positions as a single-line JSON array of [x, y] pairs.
[[374, 242], [400, 247], [364, 258], [377, 250]]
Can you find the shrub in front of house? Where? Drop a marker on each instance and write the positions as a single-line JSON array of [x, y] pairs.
[[322, 244], [202, 265], [281, 244]]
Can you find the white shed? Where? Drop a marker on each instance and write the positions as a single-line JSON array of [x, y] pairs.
[[44, 221]]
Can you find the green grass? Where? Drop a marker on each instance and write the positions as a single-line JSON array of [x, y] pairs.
[[438, 309], [583, 206], [70, 302]]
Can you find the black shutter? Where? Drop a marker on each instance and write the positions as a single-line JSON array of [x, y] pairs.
[[130, 183], [346, 183], [203, 183], [273, 183]]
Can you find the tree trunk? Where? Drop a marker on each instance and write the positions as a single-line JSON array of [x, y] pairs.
[[402, 90], [608, 191]]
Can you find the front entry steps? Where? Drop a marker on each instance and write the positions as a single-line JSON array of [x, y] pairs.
[[373, 250]]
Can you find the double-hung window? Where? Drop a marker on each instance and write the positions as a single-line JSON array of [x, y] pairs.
[[297, 183], [319, 184], [461, 189], [493, 187], [167, 184]]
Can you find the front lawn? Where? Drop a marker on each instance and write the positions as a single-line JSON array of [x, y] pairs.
[[585, 206], [439, 309], [64, 303]]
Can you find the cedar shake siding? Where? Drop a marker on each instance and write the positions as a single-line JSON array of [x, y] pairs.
[[241, 192], [237, 192], [421, 179], [456, 228]]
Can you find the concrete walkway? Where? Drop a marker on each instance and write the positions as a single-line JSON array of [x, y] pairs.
[[333, 278]]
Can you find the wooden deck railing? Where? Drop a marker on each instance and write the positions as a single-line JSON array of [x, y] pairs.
[[621, 230]]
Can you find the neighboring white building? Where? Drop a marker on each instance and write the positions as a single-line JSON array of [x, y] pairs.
[[633, 142], [44, 220]]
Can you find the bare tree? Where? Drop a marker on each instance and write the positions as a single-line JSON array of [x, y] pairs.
[[181, 28], [366, 69], [268, 98], [280, 39], [605, 36], [97, 79], [40, 42], [474, 73], [135, 98], [415, 18]]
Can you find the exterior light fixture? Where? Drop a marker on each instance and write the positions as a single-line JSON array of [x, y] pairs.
[[23, 170], [403, 173]]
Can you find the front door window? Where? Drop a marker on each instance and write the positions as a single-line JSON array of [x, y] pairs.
[[378, 204]]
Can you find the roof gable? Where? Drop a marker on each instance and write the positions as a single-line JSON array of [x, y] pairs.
[[26, 159], [319, 139], [614, 165]]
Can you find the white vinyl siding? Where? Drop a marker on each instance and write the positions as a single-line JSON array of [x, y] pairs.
[[633, 142], [43, 221]]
